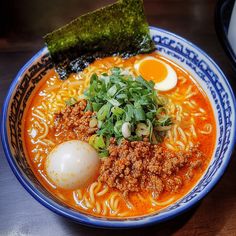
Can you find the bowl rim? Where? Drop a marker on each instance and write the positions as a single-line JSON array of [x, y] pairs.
[[100, 222]]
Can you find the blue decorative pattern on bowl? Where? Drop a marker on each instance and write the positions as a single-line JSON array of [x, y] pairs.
[[173, 47]]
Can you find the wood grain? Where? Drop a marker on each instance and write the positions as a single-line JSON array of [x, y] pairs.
[[22, 23]]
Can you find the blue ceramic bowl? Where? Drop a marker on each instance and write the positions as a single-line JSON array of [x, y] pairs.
[[177, 49]]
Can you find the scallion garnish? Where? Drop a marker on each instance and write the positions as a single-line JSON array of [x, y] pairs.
[[120, 100]]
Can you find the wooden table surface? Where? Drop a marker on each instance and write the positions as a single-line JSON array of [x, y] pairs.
[[22, 23]]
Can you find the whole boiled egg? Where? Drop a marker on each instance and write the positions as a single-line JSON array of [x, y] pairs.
[[161, 73], [72, 164]]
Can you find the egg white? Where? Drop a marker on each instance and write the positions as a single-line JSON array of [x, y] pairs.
[[166, 84], [72, 164]]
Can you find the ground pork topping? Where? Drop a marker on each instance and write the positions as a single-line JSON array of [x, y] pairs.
[[131, 166], [73, 122], [139, 165]]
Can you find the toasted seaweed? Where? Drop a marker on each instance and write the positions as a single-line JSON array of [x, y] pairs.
[[117, 29]]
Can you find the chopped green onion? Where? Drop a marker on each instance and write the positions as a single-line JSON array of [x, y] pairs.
[[129, 112], [104, 112], [112, 90], [96, 106], [97, 142], [126, 107], [93, 122], [71, 101], [139, 113], [126, 129], [116, 71], [117, 111], [142, 130], [104, 153], [117, 127], [114, 102]]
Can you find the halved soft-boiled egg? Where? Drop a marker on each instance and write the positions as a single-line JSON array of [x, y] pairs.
[[72, 164], [161, 73]]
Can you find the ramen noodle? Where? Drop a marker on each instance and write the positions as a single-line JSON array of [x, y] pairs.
[[192, 123]]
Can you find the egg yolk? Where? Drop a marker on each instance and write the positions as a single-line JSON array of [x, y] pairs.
[[153, 70]]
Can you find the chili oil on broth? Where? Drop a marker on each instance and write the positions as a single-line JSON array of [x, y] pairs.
[[193, 122]]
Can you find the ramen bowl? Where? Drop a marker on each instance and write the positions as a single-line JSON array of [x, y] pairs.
[[185, 54]]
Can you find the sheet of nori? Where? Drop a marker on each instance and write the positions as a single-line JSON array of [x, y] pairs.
[[117, 29]]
